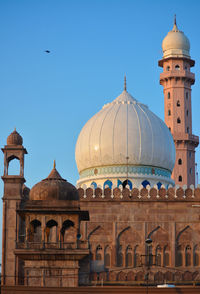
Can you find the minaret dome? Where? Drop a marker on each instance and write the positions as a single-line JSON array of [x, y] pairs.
[[176, 44]]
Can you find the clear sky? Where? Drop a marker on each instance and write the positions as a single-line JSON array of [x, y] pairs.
[[49, 97]]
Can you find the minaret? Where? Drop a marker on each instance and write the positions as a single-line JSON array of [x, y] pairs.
[[13, 194], [176, 80]]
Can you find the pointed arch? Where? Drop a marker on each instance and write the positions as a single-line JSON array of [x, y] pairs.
[[107, 184], [188, 255], [159, 184], [94, 184], [158, 255], [127, 182], [107, 256], [137, 261], [145, 183], [166, 256], [35, 233], [99, 252], [129, 256], [196, 255], [51, 231]]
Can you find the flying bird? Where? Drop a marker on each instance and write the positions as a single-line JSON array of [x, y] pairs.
[[47, 51]]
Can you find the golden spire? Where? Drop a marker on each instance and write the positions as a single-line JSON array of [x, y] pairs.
[[54, 164], [124, 82]]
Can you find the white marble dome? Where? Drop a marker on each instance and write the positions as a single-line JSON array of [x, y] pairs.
[[176, 44], [125, 139]]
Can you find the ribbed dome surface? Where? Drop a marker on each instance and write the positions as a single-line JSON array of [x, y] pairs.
[[14, 138], [125, 130], [54, 187], [176, 44]]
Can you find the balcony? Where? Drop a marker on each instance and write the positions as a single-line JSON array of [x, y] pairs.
[[50, 245], [177, 74]]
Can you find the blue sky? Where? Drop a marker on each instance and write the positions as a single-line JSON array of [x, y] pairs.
[[49, 97]]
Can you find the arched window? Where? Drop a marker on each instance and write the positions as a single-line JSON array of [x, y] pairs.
[[107, 255], [168, 95], [14, 166], [120, 256], [188, 130], [51, 231], [159, 184], [136, 257], [180, 178], [186, 95], [196, 255], [35, 234], [127, 182], [169, 112], [166, 256], [188, 256], [129, 256], [179, 260], [107, 184], [119, 183], [178, 103], [170, 129], [68, 232], [180, 161], [187, 112], [178, 120], [150, 255], [177, 67], [168, 68], [94, 185], [158, 255], [99, 252], [145, 183]]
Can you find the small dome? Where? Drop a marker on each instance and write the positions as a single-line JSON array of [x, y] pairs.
[[176, 44], [14, 138], [54, 187]]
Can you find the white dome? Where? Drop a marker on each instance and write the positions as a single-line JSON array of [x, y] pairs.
[[125, 133], [176, 44]]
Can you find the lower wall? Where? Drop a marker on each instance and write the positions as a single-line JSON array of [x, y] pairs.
[[96, 290]]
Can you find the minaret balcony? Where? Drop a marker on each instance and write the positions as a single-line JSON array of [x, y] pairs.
[[186, 137], [183, 74]]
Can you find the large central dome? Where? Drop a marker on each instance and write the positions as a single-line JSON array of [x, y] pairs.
[[125, 139]]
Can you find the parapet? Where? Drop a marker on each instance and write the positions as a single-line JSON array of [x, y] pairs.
[[141, 194]]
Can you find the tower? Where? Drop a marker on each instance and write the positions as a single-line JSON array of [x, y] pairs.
[[13, 194], [176, 80]]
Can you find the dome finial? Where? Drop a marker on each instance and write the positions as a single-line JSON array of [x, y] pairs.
[[54, 164], [175, 28], [124, 82]]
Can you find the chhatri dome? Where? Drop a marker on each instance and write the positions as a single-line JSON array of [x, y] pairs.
[[176, 44], [125, 140]]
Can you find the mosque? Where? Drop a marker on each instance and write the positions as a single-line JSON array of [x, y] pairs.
[[133, 218]]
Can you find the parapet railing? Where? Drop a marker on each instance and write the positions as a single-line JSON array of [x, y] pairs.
[[51, 245], [141, 194]]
